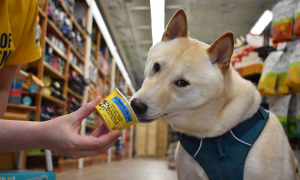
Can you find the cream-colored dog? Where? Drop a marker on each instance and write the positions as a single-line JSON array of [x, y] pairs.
[[192, 86]]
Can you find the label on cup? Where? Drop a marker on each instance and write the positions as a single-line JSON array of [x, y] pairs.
[[115, 111]]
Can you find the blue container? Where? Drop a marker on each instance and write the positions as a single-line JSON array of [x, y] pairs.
[[27, 174]]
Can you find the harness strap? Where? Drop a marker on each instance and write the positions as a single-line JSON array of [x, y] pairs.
[[246, 125]]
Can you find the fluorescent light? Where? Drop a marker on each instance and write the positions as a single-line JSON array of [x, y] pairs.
[[112, 48], [262, 22], [157, 19]]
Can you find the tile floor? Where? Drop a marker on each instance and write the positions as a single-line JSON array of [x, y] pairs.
[[134, 169]]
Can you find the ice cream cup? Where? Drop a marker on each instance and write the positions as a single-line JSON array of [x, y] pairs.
[[115, 111]]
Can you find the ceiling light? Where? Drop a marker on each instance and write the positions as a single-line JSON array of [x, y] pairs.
[[157, 19], [262, 22]]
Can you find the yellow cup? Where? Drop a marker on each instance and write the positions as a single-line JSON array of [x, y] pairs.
[[115, 111]]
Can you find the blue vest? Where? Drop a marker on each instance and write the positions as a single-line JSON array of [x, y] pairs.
[[223, 157]]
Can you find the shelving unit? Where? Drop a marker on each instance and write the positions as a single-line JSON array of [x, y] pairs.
[[102, 85]]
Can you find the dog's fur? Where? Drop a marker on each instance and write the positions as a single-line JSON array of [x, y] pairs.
[[216, 99]]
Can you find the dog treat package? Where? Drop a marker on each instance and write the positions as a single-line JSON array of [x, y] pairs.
[[267, 81], [292, 118], [293, 75], [297, 20], [279, 106], [283, 14], [282, 68], [298, 115]]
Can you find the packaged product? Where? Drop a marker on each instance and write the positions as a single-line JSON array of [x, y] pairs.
[[298, 115], [283, 14], [267, 82], [293, 76], [282, 68], [297, 20], [279, 106], [292, 118]]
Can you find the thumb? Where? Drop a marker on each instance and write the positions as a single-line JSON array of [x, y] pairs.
[[86, 109]]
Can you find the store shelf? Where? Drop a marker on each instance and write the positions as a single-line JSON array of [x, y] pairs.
[[79, 28], [53, 73], [93, 82], [77, 54], [53, 29], [26, 87], [75, 94], [19, 106], [250, 69], [42, 13], [66, 9], [53, 99], [93, 58], [76, 68], [56, 49]]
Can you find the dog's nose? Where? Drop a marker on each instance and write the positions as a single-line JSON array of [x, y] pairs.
[[138, 106]]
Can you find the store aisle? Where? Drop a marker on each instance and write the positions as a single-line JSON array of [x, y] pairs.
[[135, 169]]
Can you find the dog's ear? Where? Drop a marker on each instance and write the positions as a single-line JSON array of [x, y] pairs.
[[221, 50], [177, 27]]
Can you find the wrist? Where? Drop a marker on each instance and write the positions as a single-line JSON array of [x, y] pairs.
[[40, 135]]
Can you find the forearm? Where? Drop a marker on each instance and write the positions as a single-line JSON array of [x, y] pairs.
[[3, 102], [21, 135], [7, 74]]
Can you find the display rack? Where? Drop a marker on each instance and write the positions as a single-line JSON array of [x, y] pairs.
[[102, 85]]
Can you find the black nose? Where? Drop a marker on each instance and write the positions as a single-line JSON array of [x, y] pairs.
[[138, 106]]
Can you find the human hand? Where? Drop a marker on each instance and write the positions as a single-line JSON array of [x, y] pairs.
[[61, 134]]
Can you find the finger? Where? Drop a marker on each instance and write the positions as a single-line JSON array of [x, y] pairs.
[[86, 153], [91, 142], [86, 109], [99, 131]]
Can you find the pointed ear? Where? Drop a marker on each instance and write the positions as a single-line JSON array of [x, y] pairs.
[[177, 27], [221, 50]]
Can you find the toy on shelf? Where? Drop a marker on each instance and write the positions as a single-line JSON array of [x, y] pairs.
[[77, 82], [72, 104], [54, 60], [50, 111], [53, 88]]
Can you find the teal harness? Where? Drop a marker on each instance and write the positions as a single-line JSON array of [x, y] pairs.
[[223, 157]]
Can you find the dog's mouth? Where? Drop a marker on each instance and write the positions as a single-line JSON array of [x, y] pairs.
[[141, 120]]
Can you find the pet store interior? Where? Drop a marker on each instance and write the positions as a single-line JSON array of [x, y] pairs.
[[92, 47]]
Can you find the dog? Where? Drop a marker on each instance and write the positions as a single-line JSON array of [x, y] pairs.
[[193, 87]]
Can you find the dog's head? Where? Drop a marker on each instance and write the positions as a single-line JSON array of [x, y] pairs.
[[181, 75]]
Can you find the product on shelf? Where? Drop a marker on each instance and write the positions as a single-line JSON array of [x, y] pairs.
[[15, 92], [69, 4], [50, 111], [77, 82], [279, 106], [54, 60], [298, 115], [75, 61], [292, 118], [93, 71], [102, 62], [60, 18], [283, 13], [72, 104], [53, 87], [267, 82], [282, 68], [56, 42], [297, 20], [293, 75]]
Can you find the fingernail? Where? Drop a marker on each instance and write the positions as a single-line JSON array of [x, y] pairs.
[[96, 98]]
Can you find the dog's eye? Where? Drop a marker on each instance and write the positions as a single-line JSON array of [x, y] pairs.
[[181, 83], [156, 67]]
